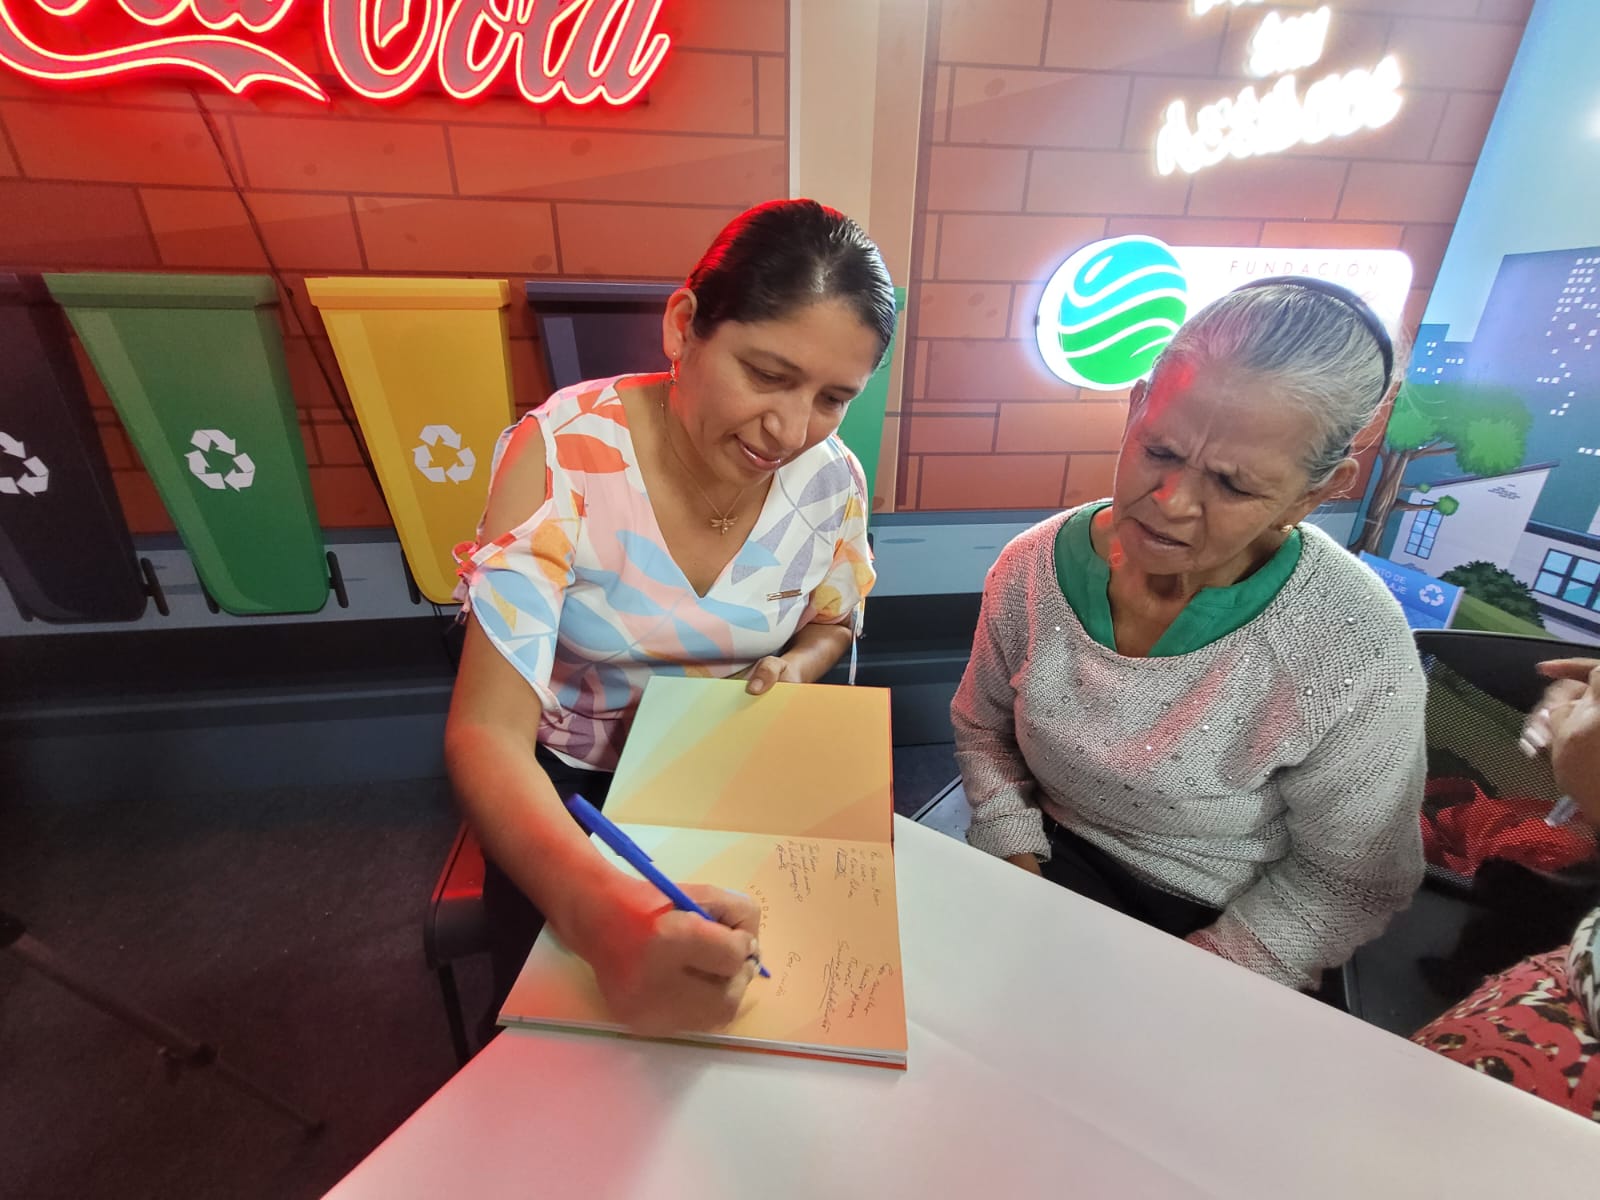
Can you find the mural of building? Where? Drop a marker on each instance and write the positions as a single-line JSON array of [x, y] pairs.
[[1434, 359], [1490, 452], [1531, 358], [1537, 339], [1487, 525], [1535, 344], [1562, 568]]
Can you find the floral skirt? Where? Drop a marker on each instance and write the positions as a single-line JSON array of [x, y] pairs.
[[1529, 1026]]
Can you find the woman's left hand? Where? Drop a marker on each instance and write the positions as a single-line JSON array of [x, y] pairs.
[[770, 670]]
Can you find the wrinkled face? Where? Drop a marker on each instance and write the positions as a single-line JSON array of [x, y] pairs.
[[1210, 470], [754, 395]]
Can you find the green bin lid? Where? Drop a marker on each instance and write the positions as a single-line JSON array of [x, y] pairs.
[[131, 290]]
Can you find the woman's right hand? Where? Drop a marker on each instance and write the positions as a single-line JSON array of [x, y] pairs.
[[1028, 862], [662, 971]]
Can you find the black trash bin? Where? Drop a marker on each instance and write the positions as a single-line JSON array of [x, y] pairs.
[[65, 551]]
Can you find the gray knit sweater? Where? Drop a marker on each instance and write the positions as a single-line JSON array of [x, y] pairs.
[[1275, 774]]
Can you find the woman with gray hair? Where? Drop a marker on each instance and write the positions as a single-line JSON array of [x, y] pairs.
[[1184, 703]]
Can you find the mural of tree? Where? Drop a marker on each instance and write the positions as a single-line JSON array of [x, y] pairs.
[[1485, 428], [1498, 587]]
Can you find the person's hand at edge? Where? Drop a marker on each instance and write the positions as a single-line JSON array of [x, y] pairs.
[[1571, 679], [770, 670], [1028, 862]]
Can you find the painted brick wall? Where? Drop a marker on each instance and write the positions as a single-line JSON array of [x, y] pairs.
[[131, 179], [1038, 137]]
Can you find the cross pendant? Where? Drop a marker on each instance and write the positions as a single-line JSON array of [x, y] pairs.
[[722, 524]]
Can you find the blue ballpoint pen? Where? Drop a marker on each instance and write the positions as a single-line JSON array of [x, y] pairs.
[[597, 823]]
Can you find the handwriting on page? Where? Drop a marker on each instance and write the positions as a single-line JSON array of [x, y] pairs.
[[850, 986], [827, 933], [798, 861], [855, 869], [786, 972], [858, 870]]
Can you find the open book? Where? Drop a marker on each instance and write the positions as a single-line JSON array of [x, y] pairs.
[[786, 797]]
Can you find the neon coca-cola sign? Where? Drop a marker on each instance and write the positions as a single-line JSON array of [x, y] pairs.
[[582, 51]]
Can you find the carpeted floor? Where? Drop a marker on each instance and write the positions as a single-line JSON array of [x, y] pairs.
[[283, 925]]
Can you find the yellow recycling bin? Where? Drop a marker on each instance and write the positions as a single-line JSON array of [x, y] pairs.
[[428, 365]]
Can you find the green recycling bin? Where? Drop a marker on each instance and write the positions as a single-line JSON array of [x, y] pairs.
[[862, 427], [195, 367]]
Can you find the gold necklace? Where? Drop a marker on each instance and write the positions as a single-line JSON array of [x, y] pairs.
[[724, 519]]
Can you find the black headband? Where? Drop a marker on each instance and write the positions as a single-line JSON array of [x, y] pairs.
[[1351, 301]]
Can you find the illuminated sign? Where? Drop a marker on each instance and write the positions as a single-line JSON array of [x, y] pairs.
[[1110, 309], [580, 50], [1252, 123], [1284, 44]]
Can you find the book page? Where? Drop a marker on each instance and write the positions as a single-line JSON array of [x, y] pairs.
[[809, 759], [830, 936]]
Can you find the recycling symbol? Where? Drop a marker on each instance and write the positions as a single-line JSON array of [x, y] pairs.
[[244, 470], [37, 478], [422, 456], [1431, 594]]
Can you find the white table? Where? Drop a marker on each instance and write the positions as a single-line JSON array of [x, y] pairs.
[[1056, 1049]]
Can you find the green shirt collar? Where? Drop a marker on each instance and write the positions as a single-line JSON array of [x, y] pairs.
[[1210, 615]]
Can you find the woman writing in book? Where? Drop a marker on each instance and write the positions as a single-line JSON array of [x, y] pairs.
[[1184, 703], [700, 521]]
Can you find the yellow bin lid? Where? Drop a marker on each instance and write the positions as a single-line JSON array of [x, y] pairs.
[[369, 292]]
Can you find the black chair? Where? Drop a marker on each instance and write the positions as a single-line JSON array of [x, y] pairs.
[[1458, 928], [456, 927]]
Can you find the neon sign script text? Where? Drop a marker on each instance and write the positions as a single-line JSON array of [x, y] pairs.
[[1247, 125], [1283, 44], [580, 50], [1252, 123]]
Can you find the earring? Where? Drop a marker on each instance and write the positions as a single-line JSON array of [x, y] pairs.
[[672, 375]]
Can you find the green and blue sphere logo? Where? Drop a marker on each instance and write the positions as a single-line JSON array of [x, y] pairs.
[[1108, 311]]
